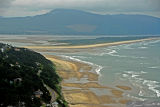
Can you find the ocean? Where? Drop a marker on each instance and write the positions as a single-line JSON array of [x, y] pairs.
[[136, 65]]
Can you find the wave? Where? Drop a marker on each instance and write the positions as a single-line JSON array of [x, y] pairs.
[[134, 72], [95, 67], [98, 69], [111, 52], [152, 86], [106, 51], [114, 52], [127, 46], [153, 67], [81, 57], [150, 42], [134, 97], [123, 56], [146, 87], [103, 51], [143, 47]]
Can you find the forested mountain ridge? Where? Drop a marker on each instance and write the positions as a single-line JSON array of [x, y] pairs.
[[76, 22], [23, 76]]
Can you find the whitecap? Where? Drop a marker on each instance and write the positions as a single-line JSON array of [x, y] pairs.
[[98, 69], [125, 75], [136, 57], [142, 47], [82, 57], [135, 72], [104, 51], [141, 93], [128, 46], [151, 42], [142, 72], [112, 52], [134, 78], [134, 97], [153, 67], [75, 59]]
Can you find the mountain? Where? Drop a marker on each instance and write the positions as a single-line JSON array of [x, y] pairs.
[[76, 22]]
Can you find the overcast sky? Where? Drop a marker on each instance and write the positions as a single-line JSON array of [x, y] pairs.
[[16, 8]]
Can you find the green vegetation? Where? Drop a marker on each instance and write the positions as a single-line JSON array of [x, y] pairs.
[[23, 75]]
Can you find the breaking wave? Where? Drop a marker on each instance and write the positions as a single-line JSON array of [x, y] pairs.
[[95, 67], [147, 88]]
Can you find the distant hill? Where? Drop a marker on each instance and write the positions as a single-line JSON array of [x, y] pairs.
[[76, 22]]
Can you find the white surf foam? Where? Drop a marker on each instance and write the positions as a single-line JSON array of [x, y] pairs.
[[134, 97], [95, 67], [150, 42], [113, 52], [152, 86], [134, 72], [141, 93], [82, 57], [127, 46], [98, 69], [142, 84], [142, 47], [104, 51], [154, 67]]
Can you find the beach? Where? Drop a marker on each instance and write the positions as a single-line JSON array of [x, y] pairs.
[[90, 46], [81, 84], [79, 94]]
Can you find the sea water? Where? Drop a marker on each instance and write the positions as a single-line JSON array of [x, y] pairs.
[[136, 65]]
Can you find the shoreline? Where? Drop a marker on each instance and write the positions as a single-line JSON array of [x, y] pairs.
[[92, 45], [76, 84], [79, 94], [78, 80], [92, 65]]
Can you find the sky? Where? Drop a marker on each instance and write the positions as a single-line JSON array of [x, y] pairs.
[[21, 8]]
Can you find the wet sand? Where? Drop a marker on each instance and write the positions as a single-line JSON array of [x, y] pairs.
[[90, 46], [79, 94], [124, 87]]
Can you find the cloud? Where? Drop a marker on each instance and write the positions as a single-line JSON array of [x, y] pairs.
[[4, 4], [33, 7]]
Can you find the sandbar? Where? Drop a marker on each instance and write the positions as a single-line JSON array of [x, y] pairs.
[[90, 46]]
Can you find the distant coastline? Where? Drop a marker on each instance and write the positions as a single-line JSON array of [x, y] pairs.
[[91, 46]]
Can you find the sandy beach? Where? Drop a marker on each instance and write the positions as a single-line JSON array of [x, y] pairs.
[[90, 46], [79, 94]]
